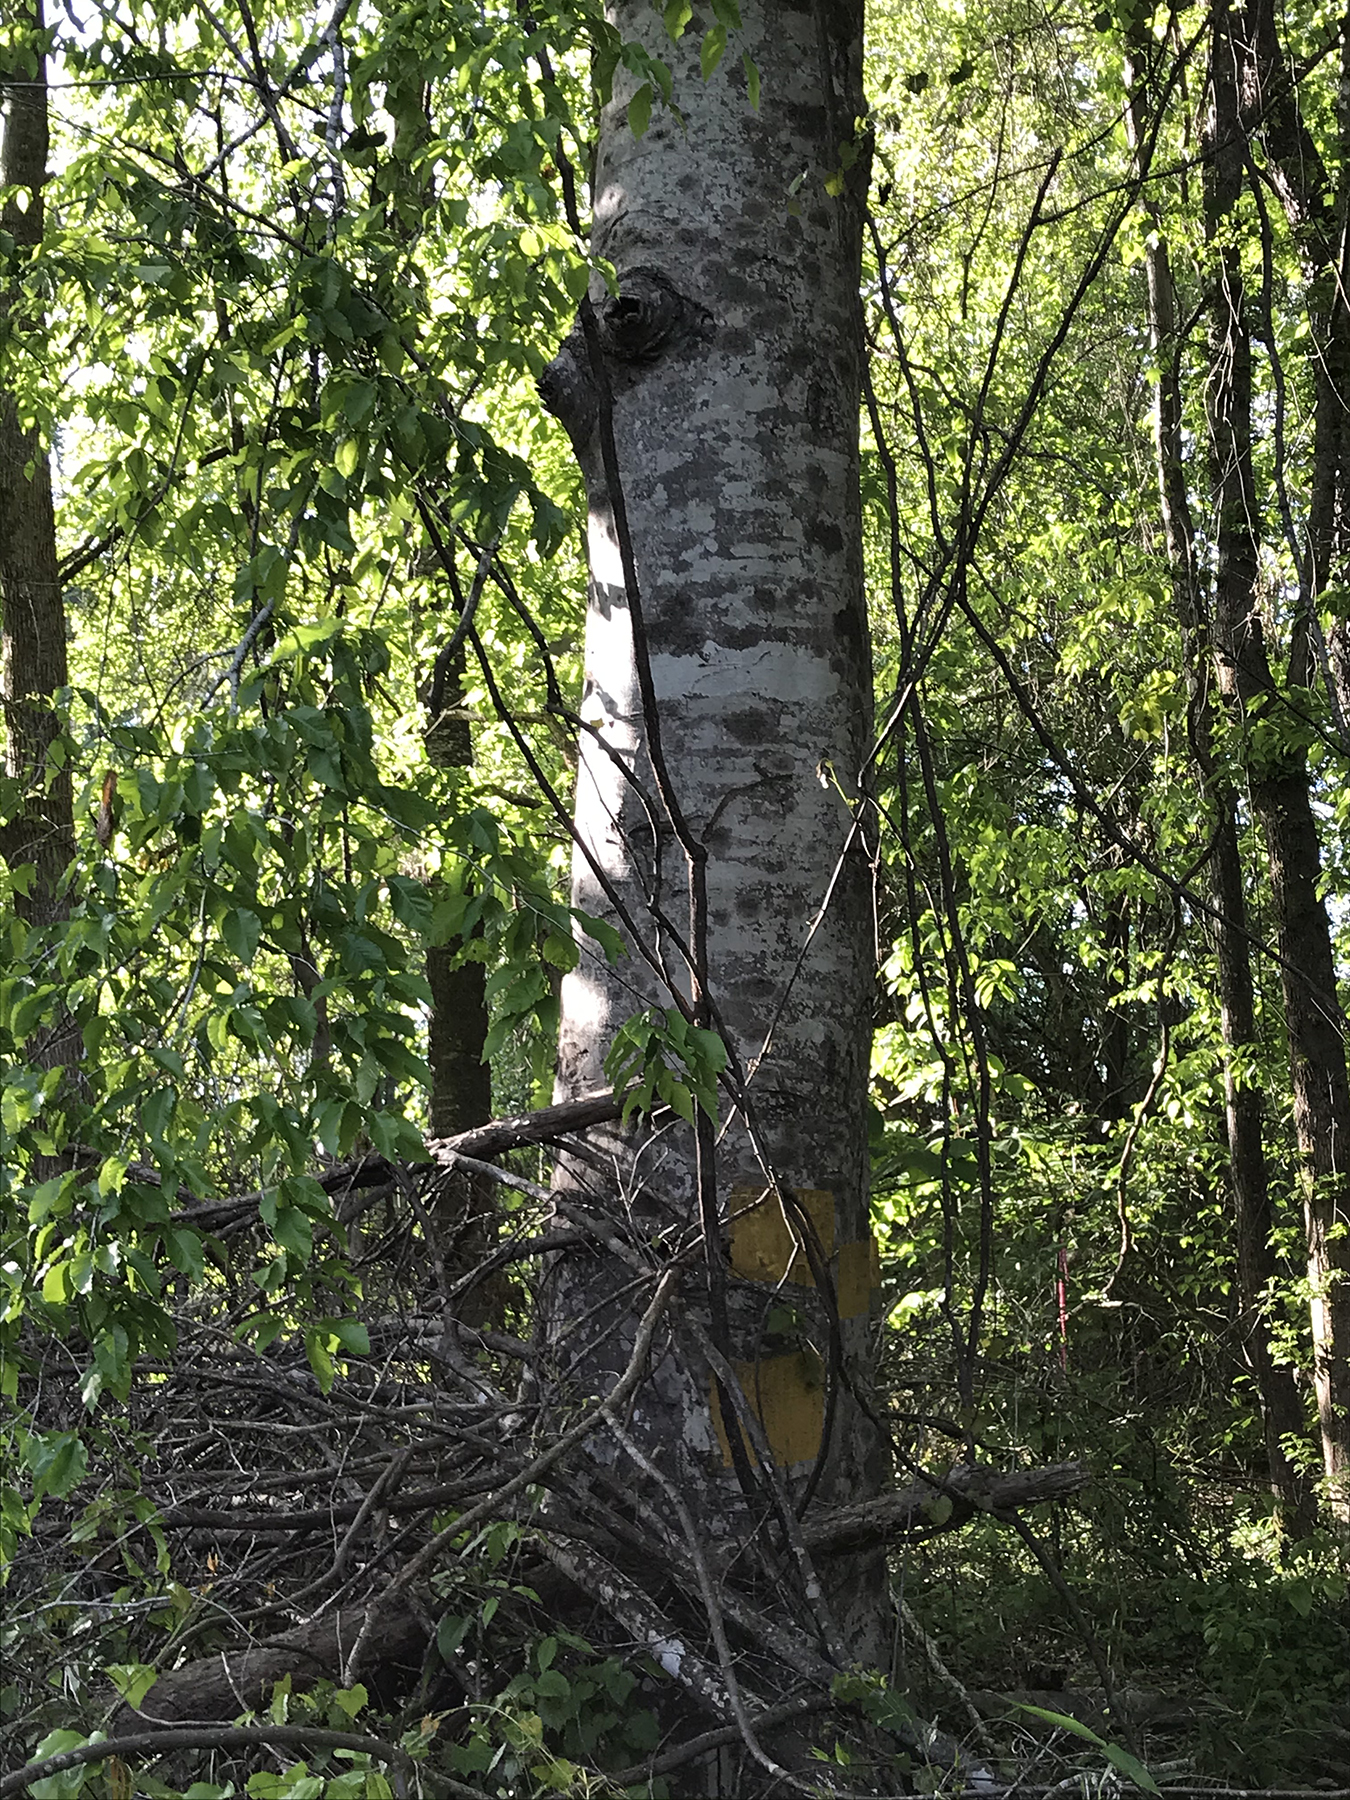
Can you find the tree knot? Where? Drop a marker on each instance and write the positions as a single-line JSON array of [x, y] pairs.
[[646, 319]]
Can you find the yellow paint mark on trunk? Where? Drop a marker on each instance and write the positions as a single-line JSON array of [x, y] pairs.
[[789, 1401], [764, 1247], [767, 1244]]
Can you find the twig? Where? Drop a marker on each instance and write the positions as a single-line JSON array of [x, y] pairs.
[[708, 1593], [469, 1521]]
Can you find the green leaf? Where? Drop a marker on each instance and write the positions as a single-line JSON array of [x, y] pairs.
[[308, 637], [133, 1681], [57, 1462], [576, 279], [640, 110], [294, 1232], [1064, 1721], [1131, 1767], [677, 15], [69, 1782], [351, 1701], [357, 405], [714, 45], [1118, 1758], [320, 1360], [751, 80], [352, 1335]]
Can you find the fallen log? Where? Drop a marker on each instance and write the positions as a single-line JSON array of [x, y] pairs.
[[231, 1682]]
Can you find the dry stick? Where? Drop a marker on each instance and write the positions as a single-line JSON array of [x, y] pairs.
[[446, 655], [618, 1394], [1055, 1575], [788, 1645], [748, 1421], [540, 1127], [286, 1524], [1142, 1114], [971, 1489], [961, 551], [635, 1611], [711, 1605], [1116, 833], [391, 1472], [968, 1350], [727, 1734], [223, 1737], [933, 1657], [472, 1165]]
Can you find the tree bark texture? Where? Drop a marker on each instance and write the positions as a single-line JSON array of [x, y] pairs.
[[731, 353], [457, 1028], [1278, 784], [38, 836], [33, 655]]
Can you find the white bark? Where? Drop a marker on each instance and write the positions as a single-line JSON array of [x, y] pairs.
[[733, 352]]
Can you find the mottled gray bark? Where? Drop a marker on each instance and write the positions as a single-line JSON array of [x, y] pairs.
[[732, 351]]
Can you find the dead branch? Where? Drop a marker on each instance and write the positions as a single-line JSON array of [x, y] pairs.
[[545, 1126], [942, 1503]]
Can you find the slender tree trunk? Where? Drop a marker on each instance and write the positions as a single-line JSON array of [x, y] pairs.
[[714, 404], [40, 835], [457, 1028], [1279, 788], [1327, 559], [1281, 1410]]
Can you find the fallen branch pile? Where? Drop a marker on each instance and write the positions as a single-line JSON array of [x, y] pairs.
[[329, 1536]]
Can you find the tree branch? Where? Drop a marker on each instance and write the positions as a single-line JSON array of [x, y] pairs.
[[919, 1507]]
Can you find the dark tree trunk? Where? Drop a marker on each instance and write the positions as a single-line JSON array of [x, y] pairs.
[[39, 835], [1276, 768], [34, 621], [461, 1081], [1282, 1412]]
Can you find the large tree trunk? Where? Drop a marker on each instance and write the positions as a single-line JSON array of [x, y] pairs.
[[727, 691], [1278, 783]]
